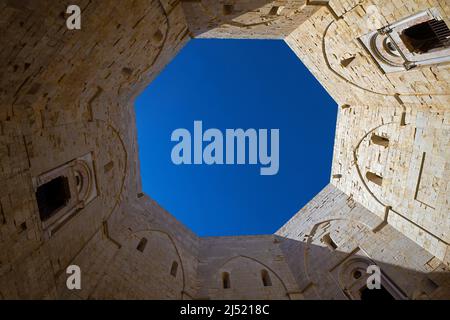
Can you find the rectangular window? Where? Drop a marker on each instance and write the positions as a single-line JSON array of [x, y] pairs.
[[375, 178], [228, 9], [329, 242]]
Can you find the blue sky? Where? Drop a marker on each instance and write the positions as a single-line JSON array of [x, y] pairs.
[[229, 84]]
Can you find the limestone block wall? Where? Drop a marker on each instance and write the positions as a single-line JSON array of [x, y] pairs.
[[408, 108]]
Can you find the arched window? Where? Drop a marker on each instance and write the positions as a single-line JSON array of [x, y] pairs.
[[174, 269], [226, 284], [379, 140], [373, 177], [265, 277], [141, 245]]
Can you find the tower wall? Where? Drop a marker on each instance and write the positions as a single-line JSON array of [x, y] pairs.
[[359, 238]]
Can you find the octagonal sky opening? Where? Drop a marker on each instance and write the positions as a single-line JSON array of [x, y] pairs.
[[231, 84]]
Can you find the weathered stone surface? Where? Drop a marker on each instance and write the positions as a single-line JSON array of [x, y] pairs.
[[64, 94]]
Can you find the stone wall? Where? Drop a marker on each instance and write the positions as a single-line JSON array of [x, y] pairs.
[[246, 19], [244, 258], [410, 109], [65, 94], [323, 271]]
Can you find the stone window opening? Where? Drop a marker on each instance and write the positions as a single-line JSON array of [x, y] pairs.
[[375, 294], [418, 40], [345, 62], [174, 269], [23, 227], [226, 284], [357, 274], [353, 276], [228, 9], [374, 178], [426, 36], [64, 191], [52, 196], [329, 242], [379, 140], [275, 10], [142, 244], [265, 277]]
